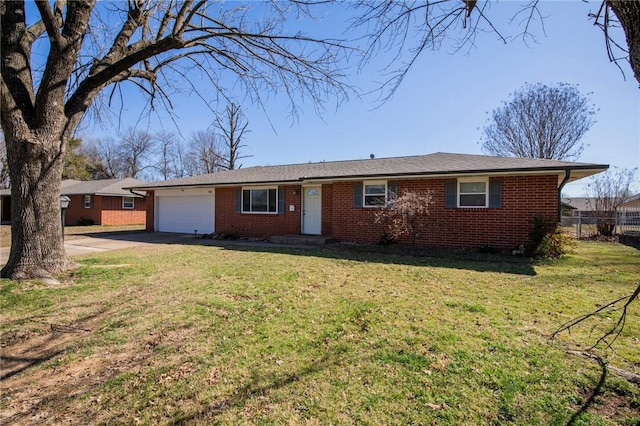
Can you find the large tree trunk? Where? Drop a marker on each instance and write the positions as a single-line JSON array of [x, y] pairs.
[[37, 245], [628, 13]]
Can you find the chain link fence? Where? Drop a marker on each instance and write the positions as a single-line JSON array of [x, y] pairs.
[[584, 225]]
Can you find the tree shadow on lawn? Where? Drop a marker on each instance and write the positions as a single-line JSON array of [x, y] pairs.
[[16, 358], [589, 402], [29, 392], [463, 260], [395, 254], [256, 386]]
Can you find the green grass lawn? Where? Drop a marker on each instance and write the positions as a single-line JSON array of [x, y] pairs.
[[172, 334]]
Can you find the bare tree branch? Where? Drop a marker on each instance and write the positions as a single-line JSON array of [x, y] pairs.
[[51, 21], [612, 333]]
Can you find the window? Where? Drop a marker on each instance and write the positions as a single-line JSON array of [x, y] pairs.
[[375, 194], [472, 192], [88, 201], [260, 200], [127, 202]]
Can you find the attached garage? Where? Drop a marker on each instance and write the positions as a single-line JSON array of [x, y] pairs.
[[185, 211]]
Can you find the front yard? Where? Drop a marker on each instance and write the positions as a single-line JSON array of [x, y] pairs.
[[73, 232], [172, 334]]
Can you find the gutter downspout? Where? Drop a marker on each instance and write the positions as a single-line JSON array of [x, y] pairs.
[[137, 193], [567, 176]]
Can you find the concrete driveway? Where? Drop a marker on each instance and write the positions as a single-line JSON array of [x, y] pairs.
[[113, 241], [120, 240]]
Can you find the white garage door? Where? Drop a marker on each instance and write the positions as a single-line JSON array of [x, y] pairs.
[[185, 214]]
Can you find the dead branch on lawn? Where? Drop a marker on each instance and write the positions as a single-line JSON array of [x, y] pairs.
[[627, 375], [610, 336]]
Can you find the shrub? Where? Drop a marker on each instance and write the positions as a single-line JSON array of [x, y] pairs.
[[606, 225], [404, 214], [83, 221], [386, 239], [546, 240]]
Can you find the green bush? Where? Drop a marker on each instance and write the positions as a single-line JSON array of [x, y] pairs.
[[546, 240], [386, 239], [83, 221]]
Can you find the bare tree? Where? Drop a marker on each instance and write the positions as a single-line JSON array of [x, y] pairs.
[[540, 121], [606, 192], [628, 17], [104, 154], [405, 214], [172, 159], [179, 159], [164, 142], [408, 28], [204, 153], [233, 128], [135, 150], [155, 45]]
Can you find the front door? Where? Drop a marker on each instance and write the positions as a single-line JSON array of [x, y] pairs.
[[312, 210]]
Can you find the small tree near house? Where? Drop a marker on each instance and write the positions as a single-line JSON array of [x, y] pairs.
[[405, 214], [606, 193]]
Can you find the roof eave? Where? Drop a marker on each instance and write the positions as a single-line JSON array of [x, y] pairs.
[[213, 184], [587, 169]]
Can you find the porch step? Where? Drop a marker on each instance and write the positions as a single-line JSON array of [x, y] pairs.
[[311, 240]]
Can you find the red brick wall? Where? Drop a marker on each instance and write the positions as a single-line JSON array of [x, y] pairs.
[[114, 214], [257, 225], [105, 211], [76, 211], [327, 209], [523, 197], [151, 206]]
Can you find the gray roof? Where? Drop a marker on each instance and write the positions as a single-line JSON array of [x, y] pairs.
[[395, 167], [632, 198], [587, 204], [110, 187], [113, 187], [578, 203]]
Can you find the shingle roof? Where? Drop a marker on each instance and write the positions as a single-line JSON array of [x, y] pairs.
[[432, 164], [578, 203], [632, 198], [113, 187]]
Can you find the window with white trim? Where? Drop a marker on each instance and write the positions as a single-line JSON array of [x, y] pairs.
[[128, 202], [260, 200], [473, 192], [375, 193], [88, 201]]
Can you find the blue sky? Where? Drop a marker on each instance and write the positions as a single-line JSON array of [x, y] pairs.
[[444, 101]]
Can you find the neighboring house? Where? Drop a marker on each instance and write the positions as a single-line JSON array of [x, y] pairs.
[[579, 206], [629, 213], [477, 200], [584, 206], [632, 203], [104, 202]]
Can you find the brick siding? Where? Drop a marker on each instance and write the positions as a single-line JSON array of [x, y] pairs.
[[256, 224], [151, 206], [523, 198], [76, 211], [105, 211]]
